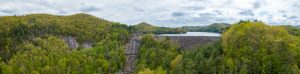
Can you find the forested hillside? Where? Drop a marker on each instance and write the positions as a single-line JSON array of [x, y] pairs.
[[215, 27], [146, 28], [293, 30], [35, 44]]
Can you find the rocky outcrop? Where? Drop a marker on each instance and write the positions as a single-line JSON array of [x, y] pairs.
[[87, 44], [131, 54], [73, 44]]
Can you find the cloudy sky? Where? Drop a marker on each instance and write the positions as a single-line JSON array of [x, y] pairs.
[[164, 12]]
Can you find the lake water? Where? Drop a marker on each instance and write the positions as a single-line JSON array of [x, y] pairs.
[[193, 34]]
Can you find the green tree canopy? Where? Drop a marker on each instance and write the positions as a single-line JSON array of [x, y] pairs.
[[259, 48]]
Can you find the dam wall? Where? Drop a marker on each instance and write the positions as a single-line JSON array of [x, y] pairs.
[[191, 41]]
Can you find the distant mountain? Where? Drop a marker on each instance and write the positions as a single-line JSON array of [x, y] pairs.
[[298, 26], [144, 27], [215, 27], [144, 24]]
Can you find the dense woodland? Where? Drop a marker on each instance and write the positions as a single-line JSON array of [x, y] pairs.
[[156, 54], [35, 44]]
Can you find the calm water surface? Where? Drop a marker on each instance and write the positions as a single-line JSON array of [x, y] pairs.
[[193, 34]]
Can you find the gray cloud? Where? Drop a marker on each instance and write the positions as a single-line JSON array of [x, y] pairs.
[[275, 23], [139, 9], [7, 11], [284, 15], [270, 17], [206, 14], [292, 17], [256, 4], [247, 13], [178, 14], [218, 12], [202, 19], [263, 13], [296, 5], [282, 11], [195, 8], [89, 9], [62, 12]]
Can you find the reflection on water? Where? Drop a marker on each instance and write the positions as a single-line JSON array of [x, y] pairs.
[[193, 34]]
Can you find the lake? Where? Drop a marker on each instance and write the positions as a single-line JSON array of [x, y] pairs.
[[193, 34]]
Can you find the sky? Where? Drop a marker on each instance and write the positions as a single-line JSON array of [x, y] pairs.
[[170, 13]]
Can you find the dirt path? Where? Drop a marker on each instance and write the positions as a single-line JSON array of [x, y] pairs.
[[131, 54]]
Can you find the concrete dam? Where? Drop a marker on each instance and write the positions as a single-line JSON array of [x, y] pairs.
[[191, 39], [183, 40]]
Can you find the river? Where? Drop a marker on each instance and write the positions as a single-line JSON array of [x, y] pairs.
[[193, 34]]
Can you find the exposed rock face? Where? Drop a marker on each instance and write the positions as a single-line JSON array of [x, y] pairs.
[[131, 54], [71, 42], [191, 41], [87, 45]]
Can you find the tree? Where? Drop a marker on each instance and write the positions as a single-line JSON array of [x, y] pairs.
[[154, 53], [176, 61], [159, 70], [259, 48]]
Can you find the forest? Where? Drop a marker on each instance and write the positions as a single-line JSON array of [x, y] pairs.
[[215, 27], [36, 44]]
